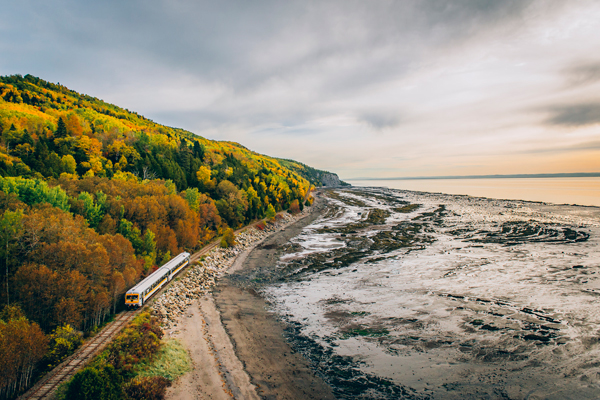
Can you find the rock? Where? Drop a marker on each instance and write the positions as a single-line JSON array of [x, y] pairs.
[[201, 276]]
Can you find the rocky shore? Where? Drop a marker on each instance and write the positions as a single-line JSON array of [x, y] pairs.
[[201, 275]]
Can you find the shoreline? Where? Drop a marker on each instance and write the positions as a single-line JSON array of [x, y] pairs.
[[236, 345]]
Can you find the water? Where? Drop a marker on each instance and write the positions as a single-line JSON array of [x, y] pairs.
[[581, 191], [456, 298]]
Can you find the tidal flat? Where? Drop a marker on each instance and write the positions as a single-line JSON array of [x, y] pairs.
[[399, 294]]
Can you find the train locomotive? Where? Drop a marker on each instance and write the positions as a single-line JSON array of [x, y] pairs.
[[137, 295]]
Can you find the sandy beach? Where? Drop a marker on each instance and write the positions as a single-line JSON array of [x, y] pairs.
[[237, 346]]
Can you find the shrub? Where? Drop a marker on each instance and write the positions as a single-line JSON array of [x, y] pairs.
[[106, 375], [63, 342], [137, 342], [147, 388], [96, 384], [228, 238], [309, 201], [294, 207], [260, 226]]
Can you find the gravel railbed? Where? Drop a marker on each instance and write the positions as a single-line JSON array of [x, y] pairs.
[[201, 275]]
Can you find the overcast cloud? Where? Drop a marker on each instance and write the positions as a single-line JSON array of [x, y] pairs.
[[362, 88]]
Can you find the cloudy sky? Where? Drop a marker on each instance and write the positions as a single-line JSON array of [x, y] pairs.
[[374, 88]]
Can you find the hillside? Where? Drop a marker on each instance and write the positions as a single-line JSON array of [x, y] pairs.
[[93, 197]]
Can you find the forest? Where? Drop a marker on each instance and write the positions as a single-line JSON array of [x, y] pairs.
[[93, 198]]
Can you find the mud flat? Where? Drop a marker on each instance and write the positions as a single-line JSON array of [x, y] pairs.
[[388, 294], [397, 294]]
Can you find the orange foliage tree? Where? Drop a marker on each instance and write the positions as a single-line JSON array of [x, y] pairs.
[[22, 345]]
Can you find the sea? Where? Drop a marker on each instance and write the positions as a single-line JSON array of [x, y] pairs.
[[580, 191]]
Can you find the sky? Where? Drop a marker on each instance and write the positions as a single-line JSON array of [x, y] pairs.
[[376, 88]]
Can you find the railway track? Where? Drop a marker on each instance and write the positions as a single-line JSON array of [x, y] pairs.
[[46, 387]]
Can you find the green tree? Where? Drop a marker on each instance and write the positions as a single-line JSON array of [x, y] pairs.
[[91, 211], [270, 214], [61, 129], [34, 191], [171, 187], [192, 196], [69, 164], [103, 383], [198, 151], [149, 246], [101, 200], [133, 234]]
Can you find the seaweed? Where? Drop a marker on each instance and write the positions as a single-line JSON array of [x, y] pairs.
[[407, 208]]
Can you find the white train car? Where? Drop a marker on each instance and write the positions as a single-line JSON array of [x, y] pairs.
[[137, 295], [176, 264]]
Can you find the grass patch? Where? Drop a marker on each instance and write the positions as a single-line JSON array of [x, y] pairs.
[[171, 361]]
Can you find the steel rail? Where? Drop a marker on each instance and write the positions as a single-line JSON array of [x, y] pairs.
[[46, 387]]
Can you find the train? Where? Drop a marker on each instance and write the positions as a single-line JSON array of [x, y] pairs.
[[140, 293]]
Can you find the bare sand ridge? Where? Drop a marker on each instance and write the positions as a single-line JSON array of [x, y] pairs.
[[217, 373]]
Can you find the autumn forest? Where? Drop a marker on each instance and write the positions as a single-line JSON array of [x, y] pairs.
[[94, 197]]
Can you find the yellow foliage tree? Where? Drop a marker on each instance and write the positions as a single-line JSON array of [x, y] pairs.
[[203, 174], [69, 164]]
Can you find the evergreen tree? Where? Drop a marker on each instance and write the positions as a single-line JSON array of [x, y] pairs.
[[61, 129], [198, 151], [26, 138]]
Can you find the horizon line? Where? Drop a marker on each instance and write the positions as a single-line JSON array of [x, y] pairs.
[[495, 176]]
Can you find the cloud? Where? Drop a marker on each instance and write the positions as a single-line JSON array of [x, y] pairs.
[[577, 147], [245, 44], [575, 115], [311, 79], [381, 120], [583, 74]]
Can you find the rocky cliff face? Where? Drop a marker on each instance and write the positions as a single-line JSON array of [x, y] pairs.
[[330, 180]]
